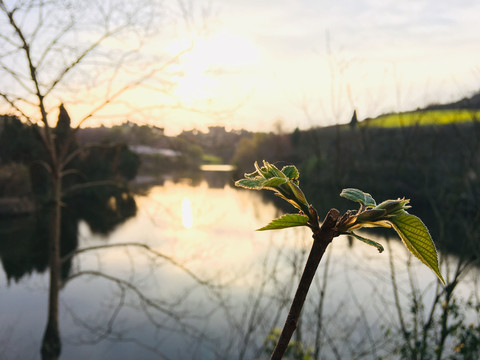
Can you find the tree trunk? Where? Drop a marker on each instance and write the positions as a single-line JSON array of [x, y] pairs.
[[51, 344]]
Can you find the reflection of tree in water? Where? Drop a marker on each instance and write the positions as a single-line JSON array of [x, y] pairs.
[[23, 249], [24, 246], [92, 191], [104, 210]]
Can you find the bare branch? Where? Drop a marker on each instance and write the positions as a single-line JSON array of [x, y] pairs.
[[398, 307], [108, 333], [104, 332], [26, 49], [74, 63], [53, 43], [10, 42], [12, 103], [179, 319], [143, 246], [15, 76], [46, 136], [131, 85], [40, 21]]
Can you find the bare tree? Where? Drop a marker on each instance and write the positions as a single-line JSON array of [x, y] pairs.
[[85, 54]]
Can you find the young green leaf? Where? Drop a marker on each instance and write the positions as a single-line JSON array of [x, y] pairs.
[[293, 202], [254, 184], [359, 196], [298, 193], [291, 172], [368, 241], [260, 171], [417, 239], [274, 182], [286, 221], [271, 170]]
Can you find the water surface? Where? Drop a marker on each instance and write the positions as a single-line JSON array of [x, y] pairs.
[[207, 286]]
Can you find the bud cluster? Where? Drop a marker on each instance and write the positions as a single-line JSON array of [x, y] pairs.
[[373, 216]]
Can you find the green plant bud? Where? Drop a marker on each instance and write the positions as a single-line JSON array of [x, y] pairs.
[[272, 170], [393, 207], [347, 221], [371, 215], [260, 171]]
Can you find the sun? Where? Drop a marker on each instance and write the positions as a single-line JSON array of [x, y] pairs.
[[205, 66]]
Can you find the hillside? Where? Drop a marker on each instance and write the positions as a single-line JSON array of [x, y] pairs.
[[462, 111], [470, 103]]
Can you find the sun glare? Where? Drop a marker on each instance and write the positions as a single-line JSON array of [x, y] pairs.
[[187, 215], [209, 59]]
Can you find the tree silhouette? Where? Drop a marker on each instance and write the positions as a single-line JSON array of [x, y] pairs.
[[55, 49]]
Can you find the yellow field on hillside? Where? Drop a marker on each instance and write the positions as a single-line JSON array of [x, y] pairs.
[[423, 117]]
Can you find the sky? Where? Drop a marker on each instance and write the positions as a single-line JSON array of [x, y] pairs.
[[264, 65], [309, 63]]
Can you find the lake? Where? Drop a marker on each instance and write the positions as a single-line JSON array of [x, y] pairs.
[[205, 285]]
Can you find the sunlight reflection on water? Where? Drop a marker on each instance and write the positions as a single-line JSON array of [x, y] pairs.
[[187, 216]]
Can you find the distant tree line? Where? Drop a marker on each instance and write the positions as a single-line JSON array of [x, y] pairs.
[[22, 150], [95, 191], [217, 145], [469, 103], [437, 166]]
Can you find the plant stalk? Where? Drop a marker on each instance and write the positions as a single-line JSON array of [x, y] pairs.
[[322, 236]]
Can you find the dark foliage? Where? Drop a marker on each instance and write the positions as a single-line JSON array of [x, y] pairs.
[[438, 167], [19, 142], [94, 192]]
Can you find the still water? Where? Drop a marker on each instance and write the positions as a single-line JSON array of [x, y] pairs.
[[206, 285]]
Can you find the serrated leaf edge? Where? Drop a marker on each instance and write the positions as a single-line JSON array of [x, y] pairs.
[[276, 224], [409, 245]]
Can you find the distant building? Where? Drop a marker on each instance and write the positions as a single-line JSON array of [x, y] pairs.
[[217, 130]]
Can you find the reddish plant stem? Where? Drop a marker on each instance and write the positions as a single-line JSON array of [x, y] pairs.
[[321, 238]]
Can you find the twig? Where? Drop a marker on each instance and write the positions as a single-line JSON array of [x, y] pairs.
[[321, 238]]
